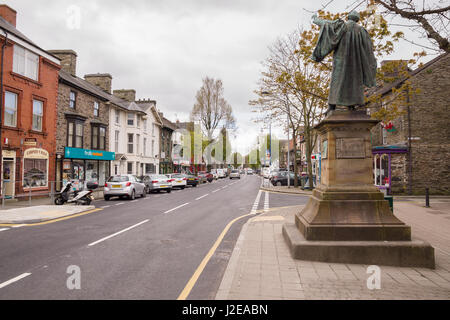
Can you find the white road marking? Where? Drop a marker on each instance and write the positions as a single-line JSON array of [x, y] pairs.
[[104, 207], [19, 226], [266, 202], [202, 197], [216, 191], [7, 283], [117, 233], [135, 201], [225, 187], [183, 205], [255, 204], [119, 204], [4, 229]]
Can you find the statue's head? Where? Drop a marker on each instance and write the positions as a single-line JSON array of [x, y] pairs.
[[354, 15]]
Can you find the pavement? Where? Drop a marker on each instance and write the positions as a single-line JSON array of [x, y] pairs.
[[37, 214], [261, 267]]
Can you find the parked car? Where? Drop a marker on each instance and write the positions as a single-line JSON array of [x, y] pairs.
[[208, 176], [250, 172], [215, 174], [221, 173], [158, 182], [235, 174], [126, 185], [191, 180], [280, 178], [178, 180]]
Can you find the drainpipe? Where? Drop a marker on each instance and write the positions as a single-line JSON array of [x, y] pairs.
[[409, 145], [1, 108]]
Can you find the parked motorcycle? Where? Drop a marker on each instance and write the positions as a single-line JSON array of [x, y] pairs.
[[83, 197]]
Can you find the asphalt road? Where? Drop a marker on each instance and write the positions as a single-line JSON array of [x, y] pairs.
[[143, 249]]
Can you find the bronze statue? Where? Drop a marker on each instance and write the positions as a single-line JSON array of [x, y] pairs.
[[354, 63]]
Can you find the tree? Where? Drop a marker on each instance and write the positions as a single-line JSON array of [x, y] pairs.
[[211, 109], [430, 18]]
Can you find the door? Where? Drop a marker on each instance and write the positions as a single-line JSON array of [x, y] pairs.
[[9, 178]]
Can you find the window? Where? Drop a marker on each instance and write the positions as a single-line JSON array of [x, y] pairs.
[[117, 116], [75, 134], [145, 125], [116, 141], [138, 121], [138, 137], [38, 112], [25, 63], [153, 148], [10, 109], [34, 173], [384, 136], [131, 119], [153, 129], [130, 167], [130, 142], [98, 137], [72, 100], [145, 147], [96, 109]]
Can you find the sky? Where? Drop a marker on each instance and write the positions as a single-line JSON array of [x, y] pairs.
[[164, 48]]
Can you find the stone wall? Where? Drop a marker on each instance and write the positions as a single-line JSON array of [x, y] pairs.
[[84, 107], [430, 130]]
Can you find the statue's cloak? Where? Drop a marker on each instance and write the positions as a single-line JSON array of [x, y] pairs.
[[354, 63]]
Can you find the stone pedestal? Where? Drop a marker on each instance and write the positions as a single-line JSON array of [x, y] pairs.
[[347, 219]]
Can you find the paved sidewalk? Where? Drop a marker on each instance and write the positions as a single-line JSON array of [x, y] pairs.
[[38, 214], [262, 268], [284, 189]]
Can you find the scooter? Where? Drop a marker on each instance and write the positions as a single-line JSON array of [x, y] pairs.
[[83, 197]]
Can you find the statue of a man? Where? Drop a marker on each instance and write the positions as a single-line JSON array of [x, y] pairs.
[[354, 63]]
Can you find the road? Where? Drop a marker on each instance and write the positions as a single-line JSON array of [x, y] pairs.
[[144, 249]]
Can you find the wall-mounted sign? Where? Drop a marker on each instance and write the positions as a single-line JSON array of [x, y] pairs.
[[350, 148], [35, 153], [76, 153], [30, 142], [8, 154]]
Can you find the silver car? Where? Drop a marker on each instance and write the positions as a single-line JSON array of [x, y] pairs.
[[158, 182], [235, 174], [126, 185], [179, 181]]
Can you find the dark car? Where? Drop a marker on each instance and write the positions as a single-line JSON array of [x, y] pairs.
[[280, 178], [191, 180], [206, 175]]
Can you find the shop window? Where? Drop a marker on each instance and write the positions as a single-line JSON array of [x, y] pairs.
[[35, 173], [38, 112], [92, 171], [10, 109], [25, 63], [381, 170]]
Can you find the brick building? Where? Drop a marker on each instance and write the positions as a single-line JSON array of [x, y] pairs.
[[412, 153], [166, 146], [82, 143], [28, 106]]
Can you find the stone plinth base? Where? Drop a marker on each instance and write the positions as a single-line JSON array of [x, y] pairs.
[[413, 253]]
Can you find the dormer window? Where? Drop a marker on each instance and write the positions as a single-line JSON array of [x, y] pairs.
[[25, 63]]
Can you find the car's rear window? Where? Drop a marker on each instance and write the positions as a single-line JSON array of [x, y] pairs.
[[235, 171], [119, 179]]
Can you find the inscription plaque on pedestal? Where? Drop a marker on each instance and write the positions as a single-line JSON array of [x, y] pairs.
[[350, 148]]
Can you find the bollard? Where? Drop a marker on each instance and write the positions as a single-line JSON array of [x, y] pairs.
[[29, 201], [427, 197]]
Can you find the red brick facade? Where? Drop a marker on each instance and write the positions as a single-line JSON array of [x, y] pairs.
[[16, 140]]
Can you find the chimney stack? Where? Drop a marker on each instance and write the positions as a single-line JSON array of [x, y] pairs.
[[101, 80], [8, 14], [126, 94], [68, 60]]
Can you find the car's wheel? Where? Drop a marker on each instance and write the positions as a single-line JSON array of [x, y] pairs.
[[133, 195], [169, 190], [106, 198], [182, 188], [88, 202], [279, 184]]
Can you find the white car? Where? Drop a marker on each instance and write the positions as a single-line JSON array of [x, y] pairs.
[[178, 180], [249, 171], [215, 174], [221, 173]]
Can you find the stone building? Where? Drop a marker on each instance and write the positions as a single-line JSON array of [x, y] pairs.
[[412, 152], [29, 95], [82, 143], [166, 146]]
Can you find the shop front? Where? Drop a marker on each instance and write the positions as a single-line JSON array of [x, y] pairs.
[[388, 167], [83, 165], [9, 173]]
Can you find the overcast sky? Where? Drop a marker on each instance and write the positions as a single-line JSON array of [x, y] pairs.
[[163, 48]]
